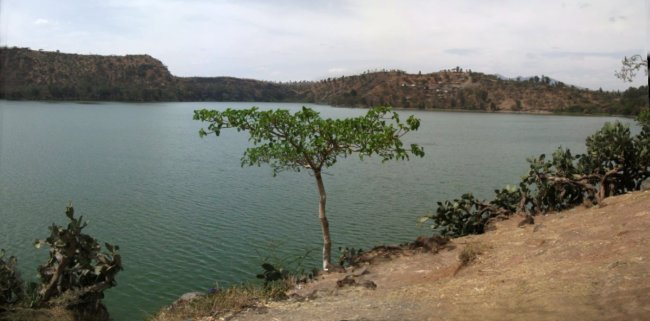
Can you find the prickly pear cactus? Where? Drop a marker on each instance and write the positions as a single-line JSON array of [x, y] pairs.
[[76, 264], [11, 286]]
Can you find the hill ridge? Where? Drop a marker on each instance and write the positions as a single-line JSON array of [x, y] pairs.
[[27, 74]]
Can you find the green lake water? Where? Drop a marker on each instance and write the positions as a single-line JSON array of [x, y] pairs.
[[187, 216]]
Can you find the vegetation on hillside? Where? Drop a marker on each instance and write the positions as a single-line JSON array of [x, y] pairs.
[[39, 75], [466, 90]]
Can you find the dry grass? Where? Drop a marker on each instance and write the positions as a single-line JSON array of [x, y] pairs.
[[228, 301], [582, 264], [469, 254], [27, 314]]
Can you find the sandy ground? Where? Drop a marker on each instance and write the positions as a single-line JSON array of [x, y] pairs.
[[582, 264]]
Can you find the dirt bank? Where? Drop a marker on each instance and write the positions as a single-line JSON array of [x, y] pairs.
[[582, 264]]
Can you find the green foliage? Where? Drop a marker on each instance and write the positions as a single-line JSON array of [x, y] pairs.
[[616, 162], [348, 256], [644, 119], [611, 155], [458, 217], [469, 215], [642, 141], [11, 285], [272, 274], [557, 183], [76, 264], [278, 270], [305, 140], [633, 101], [73, 278], [283, 274], [507, 199]]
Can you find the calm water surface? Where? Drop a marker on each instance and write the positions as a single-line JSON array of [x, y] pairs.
[[187, 216]]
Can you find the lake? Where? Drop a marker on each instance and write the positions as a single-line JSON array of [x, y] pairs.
[[187, 217]]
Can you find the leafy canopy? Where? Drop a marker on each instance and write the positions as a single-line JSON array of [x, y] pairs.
[[305, 140]]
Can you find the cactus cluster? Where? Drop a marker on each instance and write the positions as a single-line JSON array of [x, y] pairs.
[[74, 276], [615, 163], [11, 286], [469, 215], [76, 262]]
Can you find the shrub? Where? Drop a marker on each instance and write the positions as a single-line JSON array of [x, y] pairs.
[[281, 273], [555, 185], [11, 286], [76, 266], [616, 162], [348, 256]]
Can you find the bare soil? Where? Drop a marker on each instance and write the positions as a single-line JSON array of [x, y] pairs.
[[581, 264]]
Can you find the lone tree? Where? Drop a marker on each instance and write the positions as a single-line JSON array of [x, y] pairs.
[[304, 140]]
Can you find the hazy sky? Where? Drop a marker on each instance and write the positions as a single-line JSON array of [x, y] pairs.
[[578, 42]]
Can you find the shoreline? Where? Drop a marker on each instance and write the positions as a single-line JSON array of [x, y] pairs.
[[513, 269], [449, 110]]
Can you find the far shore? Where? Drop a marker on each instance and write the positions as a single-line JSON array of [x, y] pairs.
[[451, 110]]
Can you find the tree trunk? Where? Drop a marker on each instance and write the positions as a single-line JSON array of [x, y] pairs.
[[52, 286], [604, 190], [324, 224]]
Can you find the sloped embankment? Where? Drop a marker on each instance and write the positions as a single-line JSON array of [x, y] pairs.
[[582, 264]]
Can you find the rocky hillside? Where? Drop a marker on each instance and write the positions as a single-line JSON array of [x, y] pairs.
[[467, 90], [39, 75], [29, 74]]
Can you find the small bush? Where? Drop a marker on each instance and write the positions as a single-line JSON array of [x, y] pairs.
[[76, 264], [272, 274], [348, 256], [469, 215], [470, 252], [11, 285], [282, 272]]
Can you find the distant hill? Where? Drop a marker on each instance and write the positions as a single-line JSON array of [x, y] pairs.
[[29, 74], [40, 75], [467, 90]]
